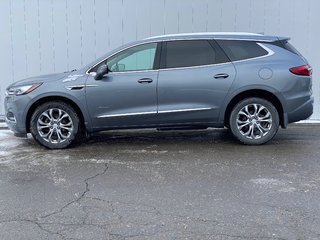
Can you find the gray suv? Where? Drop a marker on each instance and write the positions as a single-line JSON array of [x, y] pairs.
[[249, 83]]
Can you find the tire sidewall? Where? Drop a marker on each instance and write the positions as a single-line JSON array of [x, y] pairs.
[[275, 121], [59, 105]]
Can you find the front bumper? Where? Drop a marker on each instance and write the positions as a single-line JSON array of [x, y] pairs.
[[15, 116]]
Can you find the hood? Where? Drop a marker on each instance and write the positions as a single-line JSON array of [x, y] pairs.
[[42, 78]]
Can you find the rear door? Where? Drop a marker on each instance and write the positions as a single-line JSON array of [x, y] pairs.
[[193, 82]]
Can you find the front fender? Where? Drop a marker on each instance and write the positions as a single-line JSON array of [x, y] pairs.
[[79, 101]]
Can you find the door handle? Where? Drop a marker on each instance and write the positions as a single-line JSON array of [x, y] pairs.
[[221, 75], [145, 80]]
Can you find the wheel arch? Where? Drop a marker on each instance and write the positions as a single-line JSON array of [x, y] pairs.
[[45, 99], [260, 93]]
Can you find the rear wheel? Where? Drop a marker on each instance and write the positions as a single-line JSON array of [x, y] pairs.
[[254, 121], [55, 125]]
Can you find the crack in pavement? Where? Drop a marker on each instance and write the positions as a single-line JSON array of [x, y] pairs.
[[78, 199], [38, 221]]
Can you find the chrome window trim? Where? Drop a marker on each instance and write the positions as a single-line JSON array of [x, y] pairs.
[[153, 112], [121, 50], [200, 66], [270, 52], [137, 71]]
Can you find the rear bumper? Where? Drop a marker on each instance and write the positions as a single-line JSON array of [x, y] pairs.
[[303, 112]]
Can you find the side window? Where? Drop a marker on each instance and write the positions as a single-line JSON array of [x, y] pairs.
[[189, 53], [134, 59], [241, 50]]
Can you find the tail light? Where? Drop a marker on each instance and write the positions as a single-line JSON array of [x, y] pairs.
[[305, 70]]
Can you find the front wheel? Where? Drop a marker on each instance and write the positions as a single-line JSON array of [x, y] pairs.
[[55, 125], [254, 121]]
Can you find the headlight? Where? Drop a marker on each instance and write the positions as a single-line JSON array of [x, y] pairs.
[[21, 90]]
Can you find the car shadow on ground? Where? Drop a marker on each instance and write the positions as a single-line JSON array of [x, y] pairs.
[[127, 138], [162, 137]]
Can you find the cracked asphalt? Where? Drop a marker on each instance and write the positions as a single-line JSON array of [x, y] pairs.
[[162, 185]]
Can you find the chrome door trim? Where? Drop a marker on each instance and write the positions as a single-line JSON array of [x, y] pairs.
[[184, 110], [126, 114], [153, 112]]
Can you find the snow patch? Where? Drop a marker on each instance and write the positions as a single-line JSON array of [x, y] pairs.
[[276, 184], [144, 151], [5, 133], [268, 182]]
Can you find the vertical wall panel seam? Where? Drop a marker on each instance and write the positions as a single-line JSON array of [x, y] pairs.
[[136, 19], [221, 14], [25, 37], [235, 15], [250, 14], [108, 6], [164, 16], [150, 25], [122, 21], [53, 38], [264, 15], [207, 15], [308, 29], [81, 35], [39, 36], [192, 16], [67, 36], [178, 16], [279, 19], [11, 38], [95, 28]]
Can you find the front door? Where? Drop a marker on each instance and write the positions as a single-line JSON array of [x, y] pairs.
[[127, 95]]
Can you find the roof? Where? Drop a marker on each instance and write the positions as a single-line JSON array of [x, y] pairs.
[[216, 35]]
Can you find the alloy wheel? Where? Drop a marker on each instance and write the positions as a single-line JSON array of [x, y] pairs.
[[55, 125], [254, 121]]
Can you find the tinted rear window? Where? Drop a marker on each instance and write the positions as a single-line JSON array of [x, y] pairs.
[[241, 50], [189, 53]]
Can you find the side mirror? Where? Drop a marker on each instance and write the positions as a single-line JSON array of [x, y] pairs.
[[102, 70]]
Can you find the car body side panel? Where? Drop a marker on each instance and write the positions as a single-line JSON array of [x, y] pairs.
[[50, 90], [119, 100], [272, 74], [193, 94]]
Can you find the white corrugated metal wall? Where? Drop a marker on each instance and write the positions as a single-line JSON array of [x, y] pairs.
[[44, 36]]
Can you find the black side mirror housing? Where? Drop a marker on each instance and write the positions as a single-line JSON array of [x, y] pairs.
[[102, 70]]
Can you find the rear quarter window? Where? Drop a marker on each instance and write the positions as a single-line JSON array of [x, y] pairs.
[[241, 50]]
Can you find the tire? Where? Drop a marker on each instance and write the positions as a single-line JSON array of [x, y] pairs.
[[55, 125], [254, 121]]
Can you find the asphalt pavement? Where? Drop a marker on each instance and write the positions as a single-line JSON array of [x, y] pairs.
[[162, 185]]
